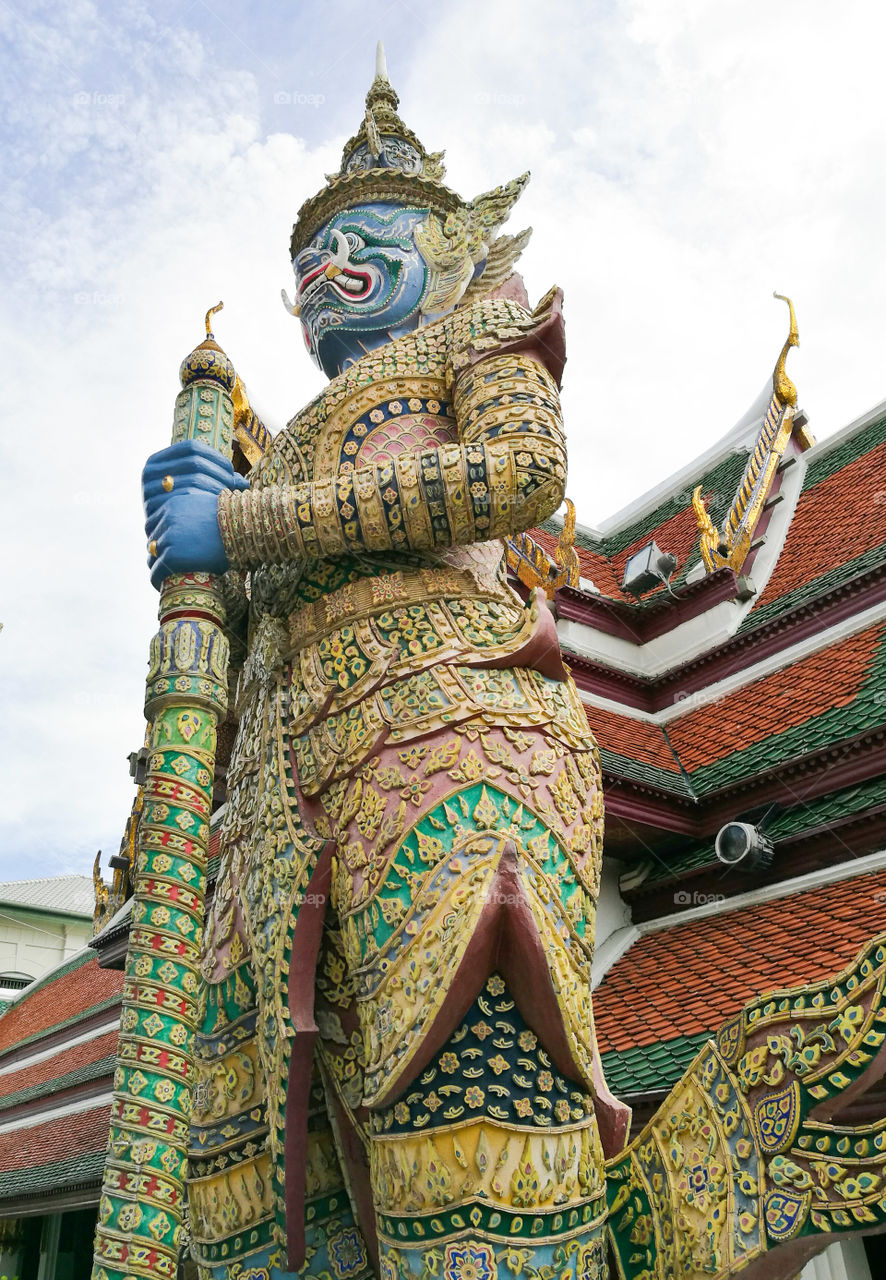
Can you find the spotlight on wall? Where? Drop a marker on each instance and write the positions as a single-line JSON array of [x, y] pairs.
[[648, 568], [138, 765], [739, 844]]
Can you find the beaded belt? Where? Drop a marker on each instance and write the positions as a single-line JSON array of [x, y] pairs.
[[373, 595]]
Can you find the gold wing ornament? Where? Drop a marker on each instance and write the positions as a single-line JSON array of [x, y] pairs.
[[781, 383], [455, 246], [444, 245], [492, 209], [503, 253]]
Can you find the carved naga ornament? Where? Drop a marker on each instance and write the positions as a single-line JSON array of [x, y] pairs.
[[730, 545]]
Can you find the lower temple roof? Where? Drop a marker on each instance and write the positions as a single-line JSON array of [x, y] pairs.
[[66, 995], [54, 1094], [61, 1153], [832, 695], [676, 986]]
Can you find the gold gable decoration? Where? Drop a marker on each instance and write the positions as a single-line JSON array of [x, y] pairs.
[[534, 567], [728, 547]]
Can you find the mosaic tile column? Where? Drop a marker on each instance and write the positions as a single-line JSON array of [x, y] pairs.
[[143, 1196]]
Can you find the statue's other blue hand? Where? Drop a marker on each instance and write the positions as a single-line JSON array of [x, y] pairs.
[[183, 519]]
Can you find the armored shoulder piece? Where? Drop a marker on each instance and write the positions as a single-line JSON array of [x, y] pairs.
[[495, 326]]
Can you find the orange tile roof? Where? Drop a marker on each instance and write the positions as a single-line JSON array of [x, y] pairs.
[[63, 1137], [58, 999], [636, 739], [841, 517], [832, 677], [598, 569], [678, 534], [690, 978], [78, 1055]]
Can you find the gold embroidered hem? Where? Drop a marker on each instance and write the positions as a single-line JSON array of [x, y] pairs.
[[502, 1165]]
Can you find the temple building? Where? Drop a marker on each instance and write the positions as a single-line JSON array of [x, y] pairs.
[[727, 632], [57, 1043], [42, 922]]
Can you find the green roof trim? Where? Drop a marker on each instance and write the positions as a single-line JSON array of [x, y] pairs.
[[587, 543], [825, 730], [834, 458], [809, 591], [693, 859], [808, 816], [651, 775], [57, 1176], [651, 1067], [80, 1075]]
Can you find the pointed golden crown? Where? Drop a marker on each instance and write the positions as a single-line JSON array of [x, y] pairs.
[[385, 161]]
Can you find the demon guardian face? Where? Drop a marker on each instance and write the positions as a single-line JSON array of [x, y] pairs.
[[360, 282]]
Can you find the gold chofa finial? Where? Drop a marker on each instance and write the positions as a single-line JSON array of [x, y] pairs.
[[209, 314], [781, 383]]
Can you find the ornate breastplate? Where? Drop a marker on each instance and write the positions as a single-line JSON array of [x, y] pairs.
[[359, 622]]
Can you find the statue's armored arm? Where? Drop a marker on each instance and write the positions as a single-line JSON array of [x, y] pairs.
[[506, 473]]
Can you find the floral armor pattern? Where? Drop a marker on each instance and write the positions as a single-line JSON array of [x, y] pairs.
[[412, 835]]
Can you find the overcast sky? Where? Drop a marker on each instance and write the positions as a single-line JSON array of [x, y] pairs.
[[688, 157]]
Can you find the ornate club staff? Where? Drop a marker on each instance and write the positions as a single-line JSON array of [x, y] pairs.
[[143, 1194]]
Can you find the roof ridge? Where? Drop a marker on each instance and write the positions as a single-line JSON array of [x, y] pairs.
[[65, 875], [843, 434]]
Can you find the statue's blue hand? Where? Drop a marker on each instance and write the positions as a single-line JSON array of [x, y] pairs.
[[183, 519]]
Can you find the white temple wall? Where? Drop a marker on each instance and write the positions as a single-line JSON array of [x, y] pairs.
[[33, 943]]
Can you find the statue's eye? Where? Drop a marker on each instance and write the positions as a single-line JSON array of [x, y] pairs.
[[354, 241]]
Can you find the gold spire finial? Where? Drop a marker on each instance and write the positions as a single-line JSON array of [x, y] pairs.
[[209, 314], [208, 360], [385, 161], [781, 383], [382, 96]]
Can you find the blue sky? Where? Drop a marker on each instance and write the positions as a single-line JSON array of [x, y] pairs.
[[687, 159]]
